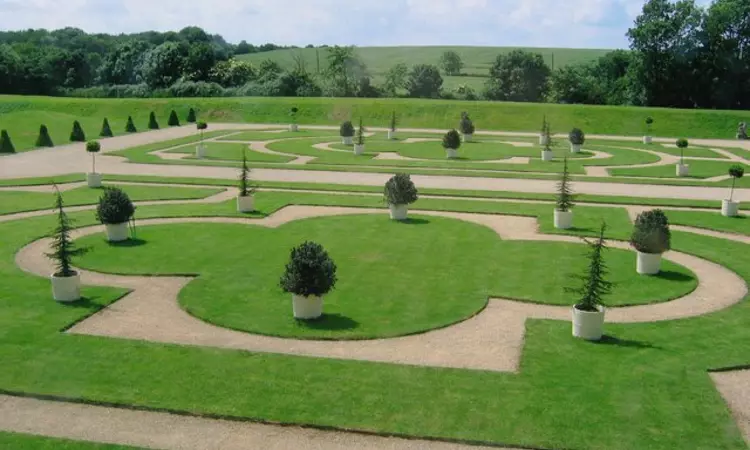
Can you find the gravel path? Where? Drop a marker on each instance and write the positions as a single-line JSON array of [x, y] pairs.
[[734, 387]]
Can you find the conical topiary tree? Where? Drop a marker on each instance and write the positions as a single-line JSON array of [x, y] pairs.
[[106, 130], [6, 145], [191, 118], [130, 127], [152, 123], [43, 140], [77, 134], [173, 120]]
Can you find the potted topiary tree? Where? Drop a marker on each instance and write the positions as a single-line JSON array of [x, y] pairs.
[[246, 197], [392, 128], [130, 126], [359, 147], [173, 120], [544, 133], [347, 132], [651, 237], [44, 140], [66, 282], [682, 169], [77, 134], [451, 143], [191, 117], [729, 207], [647, 138], [577, 138], [563, 215], [398, 194], [546, 141], [588, 313], [200, 149], [6, 145], [115, 211], [93, 179], [152, 123], [293, 114], [309, 275], [467, 127], [106, 131]]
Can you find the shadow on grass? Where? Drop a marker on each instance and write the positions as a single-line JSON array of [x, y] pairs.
[[128, 243], [411, 221], [626, 343], [84, 302], [673, 276], [330, 322]]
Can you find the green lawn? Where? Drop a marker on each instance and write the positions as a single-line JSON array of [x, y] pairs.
[[269, 136], [18, 441], [712, 221], [698, 169], [232, 152]]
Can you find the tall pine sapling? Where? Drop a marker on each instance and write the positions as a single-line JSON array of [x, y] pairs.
[[594, 284], [736, 172], [191, 117], [152, 123], [77, 134], [106, 130], [173, 120], [394, 121], [361, 133], [548, 144], [564, 191], [44, 140], [245, 187], [63, 248], [6, 145], [130, 126]]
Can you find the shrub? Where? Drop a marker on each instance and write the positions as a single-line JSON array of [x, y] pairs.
[[682, 143], [293, 113], [191, 116], [6, 145], [43, 140], [130, 127], [361, 133], [63, 248], [736, 171], [347, 129], [452, 140], [594, 285], [400, 190], [564, 192], [152, 123], [394, 121], [77, 134], [106, 130], [310, 271], [651, 232], [466, 125], [577, 137], [194, 89], [173, 120], [114, 206], [649, 122]]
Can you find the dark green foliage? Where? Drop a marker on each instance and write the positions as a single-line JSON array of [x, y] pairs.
[[106, 130], [191, 118], [548, 144], [361, 133], [564, 192], [93, 146], [651, 232], [114, 206], [77, 134], [44, 140], [682, 143], [293, 113], [394, 121], [424, 81], [736, 171], [173, 120], [577, 137], [452, 140], [246, 188], [130, 127], [545, 125], [400, 190], [346, 129], [451, 63], [466, 125], [594, 285], [63, 248], [649, 120], [518, 76], [152, 123], [201, 126], [310, 271], [6, 145]]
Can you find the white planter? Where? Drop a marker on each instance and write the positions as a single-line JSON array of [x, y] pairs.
[[729, 208], [310, 307], [66, 289], [347, 140], [451, 153], [359, 149], [246, 204], [293, 127], [94, 180], [542, 140], [117, 232], [647, 139], [648, 263], [468, 137], [588, 324], [682, 170], [546, 155], [200, 151], [391, 135], [563, 219], [575, 148], [399, 212]]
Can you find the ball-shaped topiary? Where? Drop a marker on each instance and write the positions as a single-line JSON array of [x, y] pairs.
[[310, 271], [651, 232], [682, 143], [649, 120], [576, 136], [152, 123], [93, 146], [400, 190], [466, 125], [452, 140], [114, 206], [736, 171], [191, 117], [201, 125], [173, 120], [6, 145], [44, 140], [347, 129]]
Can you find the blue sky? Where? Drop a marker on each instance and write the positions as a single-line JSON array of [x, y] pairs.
[[533, 23]]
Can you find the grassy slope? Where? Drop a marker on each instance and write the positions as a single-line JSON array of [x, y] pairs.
[[18, 441], [698, 169]]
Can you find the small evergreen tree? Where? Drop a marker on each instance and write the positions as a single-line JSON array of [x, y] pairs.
[[736, 172], [466, 125], [43, 140], [106, 130], [394, 121], [246, 188], [564, 192], [310, 271], [651, 232], [545, 126], [548, 144], [361, 133], [173, 120], [594, 284], [577, 136], [346, 129], [130, 127], [152, 123], [6, 145], [114, 206], [77, 134], [63, 248], [191, 118], [400, 190], [452, 140]]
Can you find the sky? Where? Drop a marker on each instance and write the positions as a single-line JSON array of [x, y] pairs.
[[529, 23]]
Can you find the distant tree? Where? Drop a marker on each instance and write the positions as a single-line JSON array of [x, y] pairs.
[[173, 120], [451, 63], [163, 65], [395, 79], [44, 140], [233, 73], [152, 123], [106, 130], [518, 76], [345, 71], [194, 35], [6, 145], [243, 48], [199, 61], [77, 134], [130, 126], [424, 81]]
